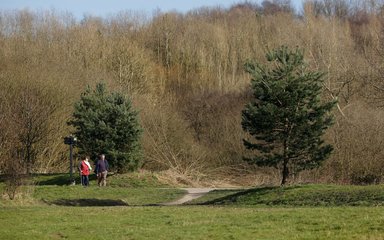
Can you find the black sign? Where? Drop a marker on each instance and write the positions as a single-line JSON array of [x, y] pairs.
[[70, 140]]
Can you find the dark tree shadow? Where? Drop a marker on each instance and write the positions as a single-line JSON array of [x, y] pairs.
[[88, 202], [233, 198], [59, 179], [52, 179]]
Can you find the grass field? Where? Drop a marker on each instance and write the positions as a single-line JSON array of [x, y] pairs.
[[120, 212], [191, 222]]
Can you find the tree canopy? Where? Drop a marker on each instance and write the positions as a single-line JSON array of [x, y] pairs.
[[287, 117]]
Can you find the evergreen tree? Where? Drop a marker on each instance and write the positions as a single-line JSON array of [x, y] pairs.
[[287, 117], [106, 123]]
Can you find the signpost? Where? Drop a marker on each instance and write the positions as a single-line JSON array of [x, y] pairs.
[[71, 140]]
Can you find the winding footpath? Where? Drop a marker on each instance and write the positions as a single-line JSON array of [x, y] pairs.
[[192, 193]]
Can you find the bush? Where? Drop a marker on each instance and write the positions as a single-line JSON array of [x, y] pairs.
[[106, 123]]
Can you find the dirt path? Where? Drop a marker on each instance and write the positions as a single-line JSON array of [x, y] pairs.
[[192, 193]]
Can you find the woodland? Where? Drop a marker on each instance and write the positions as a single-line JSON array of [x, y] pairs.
[[184, 73]]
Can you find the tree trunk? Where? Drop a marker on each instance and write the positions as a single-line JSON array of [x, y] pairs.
[[285, 173], [285, 164], [28, 158]]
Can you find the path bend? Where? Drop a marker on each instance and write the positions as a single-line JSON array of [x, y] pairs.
[[192, 193]]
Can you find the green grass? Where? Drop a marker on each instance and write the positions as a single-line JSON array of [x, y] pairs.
[[122, 190], [302, 195], [124, 210], [109, 196], [191, 222]]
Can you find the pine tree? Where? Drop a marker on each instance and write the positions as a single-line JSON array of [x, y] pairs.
[[287, 118], [106, 123]]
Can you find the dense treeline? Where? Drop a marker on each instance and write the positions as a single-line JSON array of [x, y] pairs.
[[184, 72]]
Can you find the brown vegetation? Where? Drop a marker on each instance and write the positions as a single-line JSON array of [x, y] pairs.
[[185, 74]]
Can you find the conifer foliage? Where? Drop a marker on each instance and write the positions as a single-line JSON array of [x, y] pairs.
[[287, 117], [106, 123]]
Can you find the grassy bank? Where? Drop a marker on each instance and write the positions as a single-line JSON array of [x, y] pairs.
[[123, 190], [301, 195]]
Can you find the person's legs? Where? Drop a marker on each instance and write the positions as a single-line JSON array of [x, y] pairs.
[[82, 180], [99, 178], [104, 178], [86, 181]]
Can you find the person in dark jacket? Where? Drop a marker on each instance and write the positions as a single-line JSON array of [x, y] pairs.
[[84, 169], [102, 170]]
